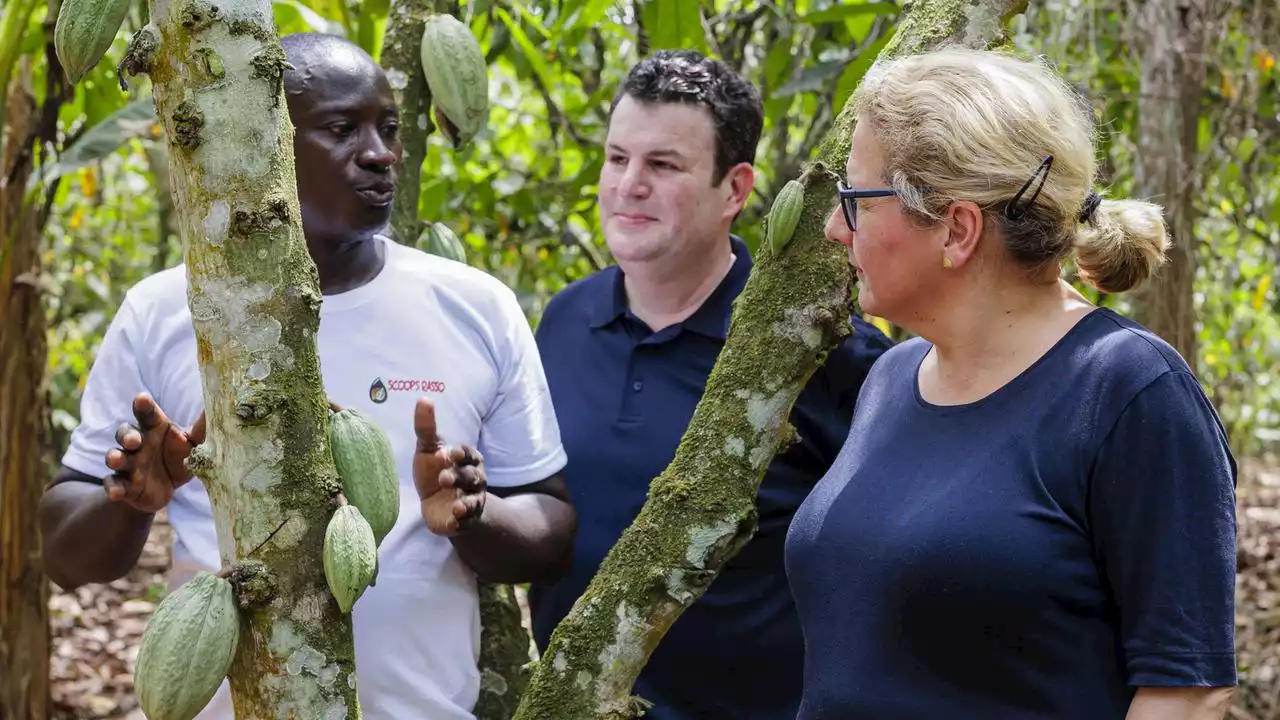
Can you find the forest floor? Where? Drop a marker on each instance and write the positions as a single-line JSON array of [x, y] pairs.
[[96, 629]]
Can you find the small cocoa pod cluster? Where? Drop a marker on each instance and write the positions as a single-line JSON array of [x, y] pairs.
[[457, 77], [369, 505], [187, 648], [366, 465]]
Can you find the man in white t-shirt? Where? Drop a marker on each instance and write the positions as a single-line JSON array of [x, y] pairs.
[[433, 350]]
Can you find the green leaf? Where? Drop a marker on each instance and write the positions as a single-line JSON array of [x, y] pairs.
[[292, 16], [674, 24], [132, 121], [532, 20], [854, 71], [813, 78], [848, 10], [583, 15], [530, 53], [777, 62]]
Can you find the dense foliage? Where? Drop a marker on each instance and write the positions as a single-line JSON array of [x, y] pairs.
[[522, 196]]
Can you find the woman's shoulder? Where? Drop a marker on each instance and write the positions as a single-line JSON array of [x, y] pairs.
[[1115, 336], [1118, 356], [1114, 366]]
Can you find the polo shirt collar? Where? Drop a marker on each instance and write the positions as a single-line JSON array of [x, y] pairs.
[[711, 319]]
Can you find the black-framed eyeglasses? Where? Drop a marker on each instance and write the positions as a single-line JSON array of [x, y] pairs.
[[849, 199]]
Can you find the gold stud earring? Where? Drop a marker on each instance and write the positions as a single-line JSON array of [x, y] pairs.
[[946, 262]]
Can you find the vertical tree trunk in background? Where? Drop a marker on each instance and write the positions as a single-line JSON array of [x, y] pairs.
[[506, 649], [158, 160], [702, 509], [1172, 77], [216, 68], [504, 642], [402, 61], [24, 589]]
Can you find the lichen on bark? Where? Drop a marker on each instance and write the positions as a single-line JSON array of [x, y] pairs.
[[701, 510], [254, 298]]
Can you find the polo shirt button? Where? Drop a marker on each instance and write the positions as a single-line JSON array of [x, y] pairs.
[[637, 385]]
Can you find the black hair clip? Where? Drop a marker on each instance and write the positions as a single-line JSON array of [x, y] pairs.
[[1013, 210], [1091, 204]]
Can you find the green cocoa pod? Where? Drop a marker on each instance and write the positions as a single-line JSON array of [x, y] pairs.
[[187, 648], [440, 240], [367, 466], [784, 215], [84, 31], [350, 556], [453, 64]]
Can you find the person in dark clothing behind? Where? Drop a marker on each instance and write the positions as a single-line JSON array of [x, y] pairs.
[[628, 351], [1033, 515]]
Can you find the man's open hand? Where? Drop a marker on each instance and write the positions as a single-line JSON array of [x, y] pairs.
[[150, 464], [450, 480]]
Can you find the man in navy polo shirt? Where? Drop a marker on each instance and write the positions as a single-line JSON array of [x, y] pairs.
[[627, 353]]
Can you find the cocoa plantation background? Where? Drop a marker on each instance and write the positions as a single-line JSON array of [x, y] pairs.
[[1186, 93]]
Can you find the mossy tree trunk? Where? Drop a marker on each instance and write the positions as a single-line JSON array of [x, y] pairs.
[[216, 68], [701, 510], [505, 644], [402, 61], [1171, 81], [24, 588]]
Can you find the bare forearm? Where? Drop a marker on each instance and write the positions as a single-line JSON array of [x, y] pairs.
[[520, 538], [1151, 703], [86, 537]]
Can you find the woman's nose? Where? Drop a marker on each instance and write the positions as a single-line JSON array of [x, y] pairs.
[[837, 230]]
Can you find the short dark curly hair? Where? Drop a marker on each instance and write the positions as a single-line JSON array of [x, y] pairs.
[[686, 76]]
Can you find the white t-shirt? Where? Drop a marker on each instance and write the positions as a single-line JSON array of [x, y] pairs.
[[424, 326]]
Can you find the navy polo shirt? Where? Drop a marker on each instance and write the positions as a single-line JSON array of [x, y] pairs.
[[624, 396]]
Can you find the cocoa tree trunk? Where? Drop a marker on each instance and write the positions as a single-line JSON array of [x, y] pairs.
[[216, 68], [402, 62], [701, 509], [1171, 82], [504, 642], [506, 649], [24, 588]]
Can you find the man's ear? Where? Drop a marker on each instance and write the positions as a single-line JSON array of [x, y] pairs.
[[965, 223], [739, 181]]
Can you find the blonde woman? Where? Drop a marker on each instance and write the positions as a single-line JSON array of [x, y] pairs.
[[1033, 513]]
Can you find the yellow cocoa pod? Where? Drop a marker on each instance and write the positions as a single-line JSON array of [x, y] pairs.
[[457, 77], [84, 31], [784, 215], [350, 556], [367, 467], [187, 648]]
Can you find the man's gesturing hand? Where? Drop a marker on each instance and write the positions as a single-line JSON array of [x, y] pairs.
[[149, 465], [450, 480]]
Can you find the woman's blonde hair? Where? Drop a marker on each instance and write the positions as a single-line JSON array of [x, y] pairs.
[[976, 125]]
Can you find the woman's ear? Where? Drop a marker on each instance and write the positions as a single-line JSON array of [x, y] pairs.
[[964, 224]]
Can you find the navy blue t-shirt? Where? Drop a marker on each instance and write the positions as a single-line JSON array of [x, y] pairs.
[[1039, 553], [623, 397]]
